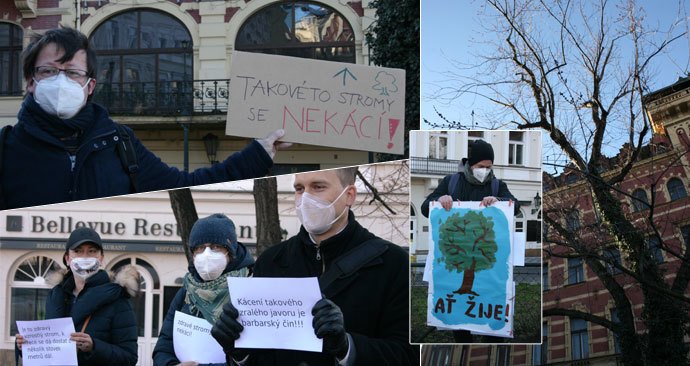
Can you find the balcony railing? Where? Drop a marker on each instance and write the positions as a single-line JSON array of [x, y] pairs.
[[164, 98], [434, 166]]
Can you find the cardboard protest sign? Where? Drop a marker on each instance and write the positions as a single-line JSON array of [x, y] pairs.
[[192, 340], [276, 312], [471, 277], [48, 342], [317, 102]]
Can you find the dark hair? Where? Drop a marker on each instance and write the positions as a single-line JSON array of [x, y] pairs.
[[67, 39]]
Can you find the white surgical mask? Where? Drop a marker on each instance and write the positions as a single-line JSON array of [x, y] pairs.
[[481, 173], [60, 95], [209, 264], [84, 267], [317, 215]]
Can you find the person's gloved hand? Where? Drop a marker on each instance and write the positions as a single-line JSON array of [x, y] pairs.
[[329, 325], [271, 144], [227, 330]]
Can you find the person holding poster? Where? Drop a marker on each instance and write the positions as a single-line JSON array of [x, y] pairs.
[[217, 255], [363, 317], [474, 182], [99, 307], [65, 147]]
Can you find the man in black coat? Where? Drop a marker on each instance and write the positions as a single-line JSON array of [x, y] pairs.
[[363, 318], [474, 182]]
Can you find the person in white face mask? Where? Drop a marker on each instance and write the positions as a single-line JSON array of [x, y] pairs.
[[65, 147], [104, 320], [216, 256], [363, 317], [474, 182]]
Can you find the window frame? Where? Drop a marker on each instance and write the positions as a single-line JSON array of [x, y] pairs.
[[15, 83], [437, 146], [516, 156], [582, 337], [293, 44], [636, 204], [579, 271], [678, 190]]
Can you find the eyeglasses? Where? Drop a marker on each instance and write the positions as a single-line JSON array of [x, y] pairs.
[[47, 72], [214, 248]]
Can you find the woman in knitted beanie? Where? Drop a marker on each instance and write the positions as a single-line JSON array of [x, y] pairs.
[[217, 255]]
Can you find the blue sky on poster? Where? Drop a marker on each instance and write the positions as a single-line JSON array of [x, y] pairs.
[[453, 30]]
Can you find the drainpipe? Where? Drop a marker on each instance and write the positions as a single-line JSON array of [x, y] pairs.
[[77, 20], [185, 127]]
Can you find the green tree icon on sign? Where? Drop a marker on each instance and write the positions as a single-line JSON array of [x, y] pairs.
[[468, 245]]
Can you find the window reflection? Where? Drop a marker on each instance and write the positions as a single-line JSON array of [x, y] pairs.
[[298, 29]]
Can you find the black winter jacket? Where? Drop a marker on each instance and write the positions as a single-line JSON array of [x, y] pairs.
[[466, 191], [374, 301], [113, 325], [37, 168]]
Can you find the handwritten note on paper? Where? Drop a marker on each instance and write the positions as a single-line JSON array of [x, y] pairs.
[[48, 342], [192, 340], [276, 312], [317, 102]]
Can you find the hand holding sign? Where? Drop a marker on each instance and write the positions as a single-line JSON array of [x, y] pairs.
[[274, 313], [329, 325], [270, 143], [46, 342]]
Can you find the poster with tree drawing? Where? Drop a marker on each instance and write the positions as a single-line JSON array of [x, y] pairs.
[[471, 268]]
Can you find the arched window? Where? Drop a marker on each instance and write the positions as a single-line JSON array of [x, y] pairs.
[[639, 200], [298, 28], [144, 63], [29, 290], [676, 189], [10, 60]]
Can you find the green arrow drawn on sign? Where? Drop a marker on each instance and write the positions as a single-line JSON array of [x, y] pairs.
[[345, 72]]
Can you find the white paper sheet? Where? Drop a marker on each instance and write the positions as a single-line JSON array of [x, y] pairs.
[[48, 342], [192, 340], [276, 312]]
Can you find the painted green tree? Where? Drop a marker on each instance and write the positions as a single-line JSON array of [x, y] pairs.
[[468, 245]]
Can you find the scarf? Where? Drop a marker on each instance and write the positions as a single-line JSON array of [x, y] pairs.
[[70, 131], [471, 178], [208, 298]]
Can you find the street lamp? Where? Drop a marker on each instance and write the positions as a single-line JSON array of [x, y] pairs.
[[537, 203], [211, 145]]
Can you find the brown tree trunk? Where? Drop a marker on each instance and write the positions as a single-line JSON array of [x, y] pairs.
[[268, 231], [468, 281], [185, 214]]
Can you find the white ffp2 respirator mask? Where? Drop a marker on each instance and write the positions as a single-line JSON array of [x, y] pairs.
[[209, 264], [317, 215], [60, 95], [481, 174]]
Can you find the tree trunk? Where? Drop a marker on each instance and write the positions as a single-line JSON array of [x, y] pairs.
[[185, 214], [268, 231], [468, 281]]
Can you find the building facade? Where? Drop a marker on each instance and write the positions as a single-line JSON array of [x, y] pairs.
[[163, 65], [141, 230], [659, 180]]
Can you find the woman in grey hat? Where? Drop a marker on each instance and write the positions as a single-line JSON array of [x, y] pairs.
[[217, 255], [97, 303]]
